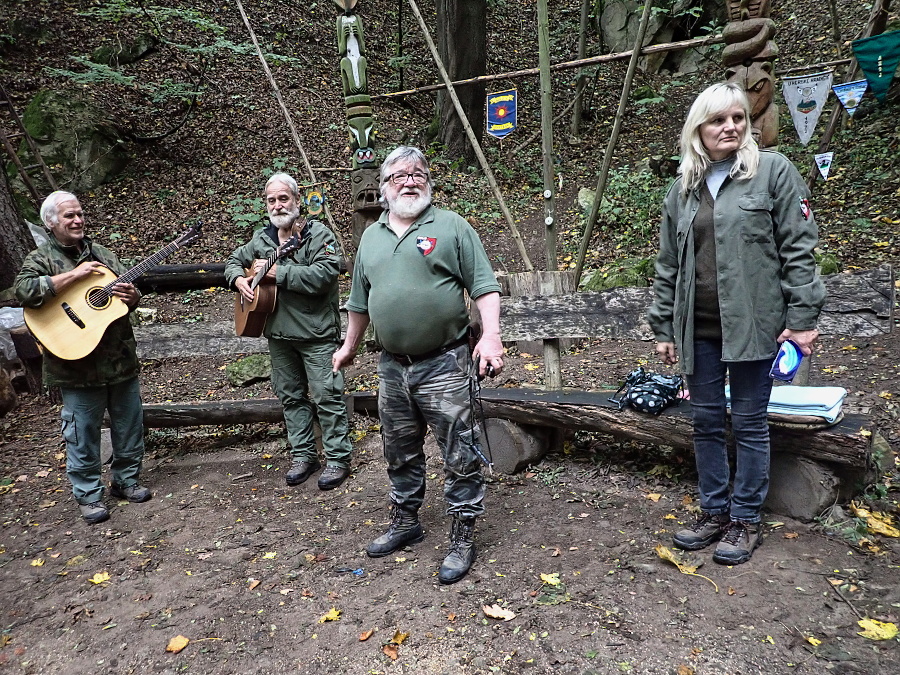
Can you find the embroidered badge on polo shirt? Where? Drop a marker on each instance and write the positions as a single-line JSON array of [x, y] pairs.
[[329, 249], [426, 244], [805, 209]]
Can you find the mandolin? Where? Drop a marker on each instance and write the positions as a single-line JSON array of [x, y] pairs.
[[250, 316], [71, 324]]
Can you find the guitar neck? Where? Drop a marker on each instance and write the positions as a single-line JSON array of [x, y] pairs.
[[270, 260], [139, 269]]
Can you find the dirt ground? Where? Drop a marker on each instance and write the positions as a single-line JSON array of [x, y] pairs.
[[248, 569]]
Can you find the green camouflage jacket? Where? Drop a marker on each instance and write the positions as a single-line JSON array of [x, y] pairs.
[[306, 307], [115, 358]]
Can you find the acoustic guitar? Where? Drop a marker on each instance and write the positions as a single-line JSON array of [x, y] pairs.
[[71, 324], [250, 316]]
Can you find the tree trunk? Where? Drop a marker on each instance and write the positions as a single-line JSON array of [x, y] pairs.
[[462, 45], [15, 239]]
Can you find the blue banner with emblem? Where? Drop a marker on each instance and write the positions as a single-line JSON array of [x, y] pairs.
[[501, 112]]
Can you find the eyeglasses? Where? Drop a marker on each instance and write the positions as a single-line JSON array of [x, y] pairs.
[[401, 177]]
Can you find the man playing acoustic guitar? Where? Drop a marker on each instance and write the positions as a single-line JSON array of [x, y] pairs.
[[105, 379], [303, 330]]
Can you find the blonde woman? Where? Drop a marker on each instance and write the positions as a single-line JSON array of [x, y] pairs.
[[735, 277]]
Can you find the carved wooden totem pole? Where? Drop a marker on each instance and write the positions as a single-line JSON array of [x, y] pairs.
[[364, 177], [749, 59]]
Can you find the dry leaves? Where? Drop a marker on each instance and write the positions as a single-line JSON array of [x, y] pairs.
[[498, 612], [99, 578], [332, 614], [877, 630], [876, 522], [691, 570], [366, 635], [177, 643]]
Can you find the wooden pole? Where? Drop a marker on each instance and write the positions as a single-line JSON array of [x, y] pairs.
[[543, 18], [581, 80], [566, 65], [613, 138], [476, 146], [290, 122]]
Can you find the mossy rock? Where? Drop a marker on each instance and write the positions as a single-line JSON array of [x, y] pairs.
[[119, 54], [77, 140], [626, 272], [828, 263], [253, 368]]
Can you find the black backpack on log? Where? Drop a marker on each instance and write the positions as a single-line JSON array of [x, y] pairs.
[[648, 392]]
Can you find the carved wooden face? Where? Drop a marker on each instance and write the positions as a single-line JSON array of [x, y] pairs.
[[756, 79]]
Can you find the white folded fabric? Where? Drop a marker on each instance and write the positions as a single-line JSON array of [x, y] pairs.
[[824, 402]]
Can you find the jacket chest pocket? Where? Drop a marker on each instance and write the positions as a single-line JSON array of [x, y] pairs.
[[756, 217]]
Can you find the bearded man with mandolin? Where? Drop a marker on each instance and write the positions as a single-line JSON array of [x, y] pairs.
[[103, 379], [286, 277]]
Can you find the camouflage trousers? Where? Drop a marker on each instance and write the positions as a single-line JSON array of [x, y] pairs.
[[431, 393]]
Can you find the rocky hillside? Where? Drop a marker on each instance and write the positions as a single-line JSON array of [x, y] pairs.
[[195, 114]]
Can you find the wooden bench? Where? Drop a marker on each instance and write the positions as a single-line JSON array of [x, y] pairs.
[[829, 461]]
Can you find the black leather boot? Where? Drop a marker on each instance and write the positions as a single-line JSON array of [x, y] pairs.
[[404, 529], [462, 551]]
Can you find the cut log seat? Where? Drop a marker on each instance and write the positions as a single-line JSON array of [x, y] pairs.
[[847, 443]]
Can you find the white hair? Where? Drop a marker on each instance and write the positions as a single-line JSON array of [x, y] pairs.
[[285, 179], [50, 207], [403, 153], [695, 159]]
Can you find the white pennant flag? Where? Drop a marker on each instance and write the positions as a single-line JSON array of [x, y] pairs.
[[823, 161], [805, 97]]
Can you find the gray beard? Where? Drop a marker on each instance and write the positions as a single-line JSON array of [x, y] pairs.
[[284, 220], [409, 209]]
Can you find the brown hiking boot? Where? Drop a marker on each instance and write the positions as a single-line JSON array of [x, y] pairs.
[[708, 528], [738, 543]]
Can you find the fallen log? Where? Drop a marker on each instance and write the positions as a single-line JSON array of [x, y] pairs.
[[182, 340], [847, 443], [169, 278]]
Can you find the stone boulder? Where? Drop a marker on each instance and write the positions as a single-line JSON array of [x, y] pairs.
[[78, 142]]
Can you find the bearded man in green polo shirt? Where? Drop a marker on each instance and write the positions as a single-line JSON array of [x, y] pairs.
[[410, 279]]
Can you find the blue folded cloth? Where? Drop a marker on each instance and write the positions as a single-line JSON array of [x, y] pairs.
[[824, 402]]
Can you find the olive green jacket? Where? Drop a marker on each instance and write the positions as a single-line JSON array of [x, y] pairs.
[[115, 358], [766, 273], [306, 306]]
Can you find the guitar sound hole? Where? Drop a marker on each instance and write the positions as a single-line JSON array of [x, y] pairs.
[[97, 298]]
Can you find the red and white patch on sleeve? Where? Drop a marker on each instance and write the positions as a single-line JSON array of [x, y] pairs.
[[426, 244], [805, 209]]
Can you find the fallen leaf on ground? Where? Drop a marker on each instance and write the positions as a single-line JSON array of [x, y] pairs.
[[332, 614], [498, 612], [877, 630], [685, 670], [365, 636], [876, 522], [551, 579], [813, 641], [654, 496], [667, 555], [390, 650], [99, 578], [555, 552], [37, 562], [790, 535], [270, 555], [253, 583], [399, 638], [177, 643]]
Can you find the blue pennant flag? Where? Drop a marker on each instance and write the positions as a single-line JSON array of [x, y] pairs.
[[879, 56], [501, 112]]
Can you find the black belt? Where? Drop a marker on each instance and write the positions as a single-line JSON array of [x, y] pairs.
[[409, 359]]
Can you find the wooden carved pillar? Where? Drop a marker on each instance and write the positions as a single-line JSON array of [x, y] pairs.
[[749, 59], [364, 177]]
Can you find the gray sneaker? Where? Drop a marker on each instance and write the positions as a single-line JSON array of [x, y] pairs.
[[738, 543], [133, 493], [94, 513], [708, 528]]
